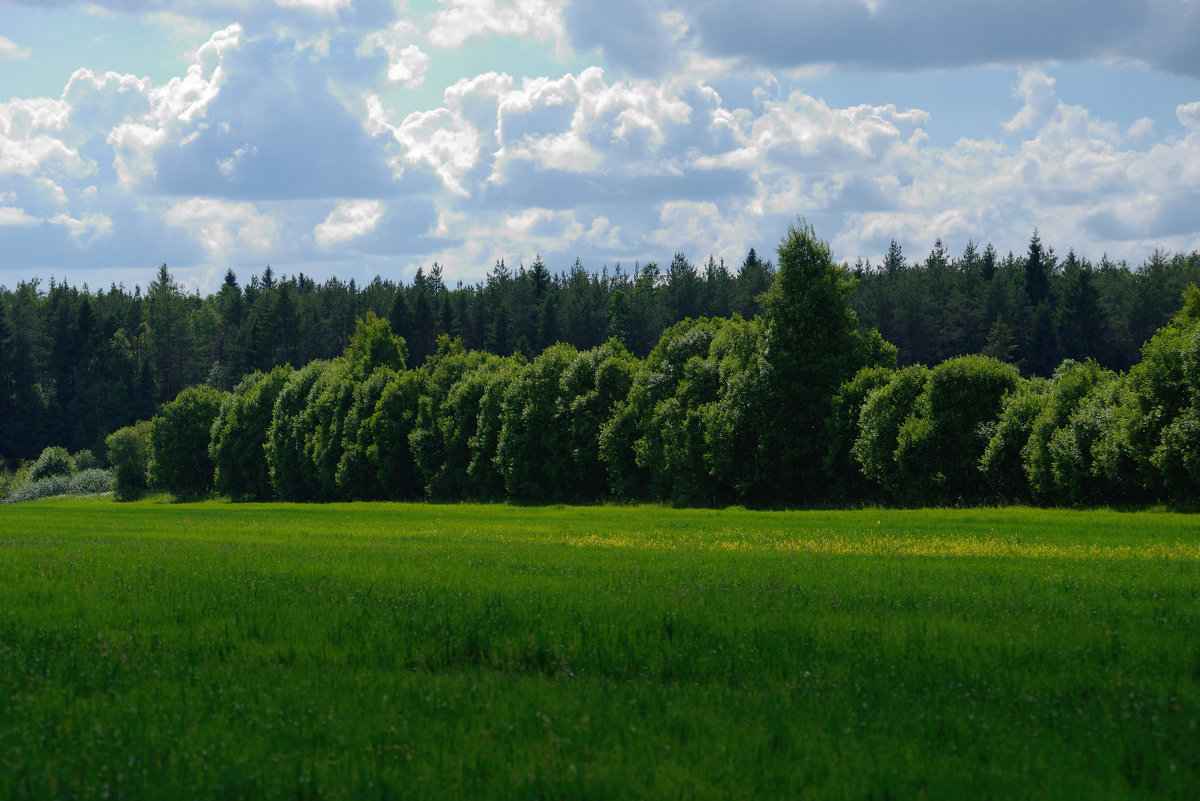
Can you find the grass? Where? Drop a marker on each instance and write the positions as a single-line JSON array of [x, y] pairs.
[[390, 651]]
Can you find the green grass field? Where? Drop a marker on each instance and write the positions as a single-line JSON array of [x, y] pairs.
[[385, 651]]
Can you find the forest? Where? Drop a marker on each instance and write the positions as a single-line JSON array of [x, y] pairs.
[[946, 380]]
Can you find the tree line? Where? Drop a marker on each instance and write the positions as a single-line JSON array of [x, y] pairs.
[[799, 405], [76, 364]]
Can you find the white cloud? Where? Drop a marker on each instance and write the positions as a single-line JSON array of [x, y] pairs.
[[228, 166], [10, 215], [690, 223], [459, 21], [1189, 115], [407, 63], [87, 228], [30, 138], [325, 6], [84, 230], [350, 220], [175, 108], [10, 50], [223, 227]]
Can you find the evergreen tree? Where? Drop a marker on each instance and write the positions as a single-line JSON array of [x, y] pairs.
[[813, 347]]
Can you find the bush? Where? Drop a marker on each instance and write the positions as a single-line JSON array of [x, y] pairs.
[[129, 454], [42, 488], [92, 481], [9, 481], [54, 461], [85, 460]]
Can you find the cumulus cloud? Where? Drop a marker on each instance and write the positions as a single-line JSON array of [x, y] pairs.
[[224, 228], [179, 104], [350, 220], [31, 138], [255, 146]]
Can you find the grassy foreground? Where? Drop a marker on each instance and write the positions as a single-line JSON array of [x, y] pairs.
[[364, 651]]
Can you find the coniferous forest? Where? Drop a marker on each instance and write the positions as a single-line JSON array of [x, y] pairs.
[[793, 380]]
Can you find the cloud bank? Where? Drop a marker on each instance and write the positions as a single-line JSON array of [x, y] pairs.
[[333, 136]]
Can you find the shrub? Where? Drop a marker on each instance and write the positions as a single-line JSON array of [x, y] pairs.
[[85, 460], [129, 454], [92, 481], [54, 461]]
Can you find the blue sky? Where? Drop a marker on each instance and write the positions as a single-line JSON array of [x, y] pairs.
[[364, 137]]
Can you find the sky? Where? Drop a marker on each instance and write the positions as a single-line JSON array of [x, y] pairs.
[[355, 138]]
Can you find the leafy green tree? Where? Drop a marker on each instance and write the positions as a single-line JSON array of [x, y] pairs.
[[239, 436], [939, 445], [373, 346], [441, 371], [1003, 461], [129, 454], [386, 436], [732, 423], [357, 476], [533, 450], [1177, 458], [632, 440], [884, 413], [590, 388], [323, 421], [1072, 447], [293, 474], [179, 442], [457, 424], [846, 481], [483, 473], [1071, 383], [1165, 387]]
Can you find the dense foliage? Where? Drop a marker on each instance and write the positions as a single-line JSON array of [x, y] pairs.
[[800, 404], [77, 364]]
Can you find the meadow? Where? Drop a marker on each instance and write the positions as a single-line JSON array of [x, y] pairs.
[[217, 650]]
